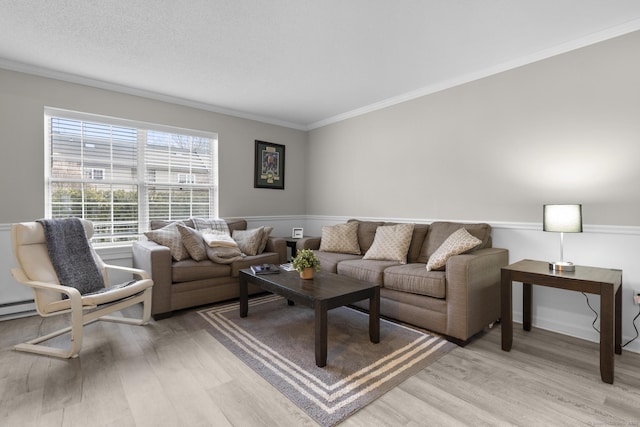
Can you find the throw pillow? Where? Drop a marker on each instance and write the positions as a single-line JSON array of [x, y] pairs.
[[458, 242], [391, 243], [265, 238], [201, 224], [341, 238], [249, 240], [169, 236], [193, 242]]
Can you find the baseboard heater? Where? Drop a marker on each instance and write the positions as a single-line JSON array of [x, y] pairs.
[[14, 310]]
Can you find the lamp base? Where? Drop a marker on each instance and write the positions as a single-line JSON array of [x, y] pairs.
[[562, 266]]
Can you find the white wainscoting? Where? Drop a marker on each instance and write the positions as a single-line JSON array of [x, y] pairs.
[[557, 310]]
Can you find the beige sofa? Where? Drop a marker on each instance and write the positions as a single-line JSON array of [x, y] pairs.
[[457, 301], [190, 283]]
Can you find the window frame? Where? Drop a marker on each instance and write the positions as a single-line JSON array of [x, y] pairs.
[[140, 177]]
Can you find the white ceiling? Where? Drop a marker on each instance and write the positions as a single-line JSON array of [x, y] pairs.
[[300, 63]]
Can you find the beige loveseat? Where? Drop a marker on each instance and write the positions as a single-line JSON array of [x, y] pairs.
[[189, 283], [458, 301]]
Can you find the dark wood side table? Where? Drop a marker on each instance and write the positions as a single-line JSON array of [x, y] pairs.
[[600, 281], [293, 244]]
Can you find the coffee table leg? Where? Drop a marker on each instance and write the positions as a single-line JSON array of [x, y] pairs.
[[244, 296], [374, 316], [321, 334]]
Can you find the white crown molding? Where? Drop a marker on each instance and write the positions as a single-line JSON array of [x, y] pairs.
[[100, 84], [594, 38], [600, 36]]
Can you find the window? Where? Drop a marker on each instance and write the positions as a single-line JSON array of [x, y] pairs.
[[122, 174]]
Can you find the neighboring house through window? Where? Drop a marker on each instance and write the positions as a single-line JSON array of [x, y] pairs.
[[122, 174]]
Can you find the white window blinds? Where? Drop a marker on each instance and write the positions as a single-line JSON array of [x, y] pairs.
[[122, 174]]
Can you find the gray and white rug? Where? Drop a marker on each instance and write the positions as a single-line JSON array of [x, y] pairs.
[[277, 341]]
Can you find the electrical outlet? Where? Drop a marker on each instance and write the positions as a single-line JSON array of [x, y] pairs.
[[636, 296]]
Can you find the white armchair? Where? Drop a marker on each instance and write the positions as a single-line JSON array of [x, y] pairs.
[[36, 270]]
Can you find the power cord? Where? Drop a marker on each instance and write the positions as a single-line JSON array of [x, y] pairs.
[[593, 325], [634, 327], [596, 319]]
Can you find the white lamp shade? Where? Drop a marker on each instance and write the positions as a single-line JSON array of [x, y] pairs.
[[562, 218]]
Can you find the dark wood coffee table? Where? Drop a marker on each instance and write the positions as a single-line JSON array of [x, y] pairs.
[[324, 292]]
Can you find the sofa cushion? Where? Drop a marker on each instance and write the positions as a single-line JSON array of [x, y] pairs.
[[170, 237], [415, 279], [249, 241], [368, 270], [329, 260], [441, 230], [459, 242], [190, 270], [366, 233], [342, 238], [193, 242], [391, 243]]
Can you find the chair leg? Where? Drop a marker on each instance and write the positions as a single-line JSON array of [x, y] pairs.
[[34, 346], [79, 320]]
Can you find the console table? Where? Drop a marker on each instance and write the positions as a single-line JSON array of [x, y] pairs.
[[600, 281]]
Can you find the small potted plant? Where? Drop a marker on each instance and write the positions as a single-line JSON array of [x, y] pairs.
[[305, 263]]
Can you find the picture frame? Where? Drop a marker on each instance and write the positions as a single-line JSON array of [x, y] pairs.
[[297, 233], [269, 165]]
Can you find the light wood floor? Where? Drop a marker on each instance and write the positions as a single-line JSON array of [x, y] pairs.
[[170, 373]]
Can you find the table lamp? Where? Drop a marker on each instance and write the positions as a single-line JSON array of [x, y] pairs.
[[562, 219]]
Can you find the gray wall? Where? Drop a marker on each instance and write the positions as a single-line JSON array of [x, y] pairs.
[[22, 101], [562, 130]]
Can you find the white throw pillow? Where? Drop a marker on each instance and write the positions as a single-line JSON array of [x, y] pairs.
[[340, 238], [218, 239], [391, 243], [458, 242]]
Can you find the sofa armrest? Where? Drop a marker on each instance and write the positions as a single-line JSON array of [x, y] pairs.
[[278, 245], [156, 260], [308, 243], [473, 291]]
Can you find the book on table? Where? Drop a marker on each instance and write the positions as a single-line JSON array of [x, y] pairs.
[[265, 269], [287, 267]]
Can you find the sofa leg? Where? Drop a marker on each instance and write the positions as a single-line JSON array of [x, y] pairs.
[[161, 316], [458, 341]]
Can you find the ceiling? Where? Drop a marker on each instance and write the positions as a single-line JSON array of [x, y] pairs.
[[298, 63]]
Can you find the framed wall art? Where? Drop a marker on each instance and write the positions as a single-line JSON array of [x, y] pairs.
[[269, 166]]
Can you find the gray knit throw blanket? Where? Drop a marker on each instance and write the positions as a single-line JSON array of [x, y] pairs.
[[71, 255]]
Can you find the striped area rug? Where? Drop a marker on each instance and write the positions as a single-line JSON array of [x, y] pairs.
[[277, 341]]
